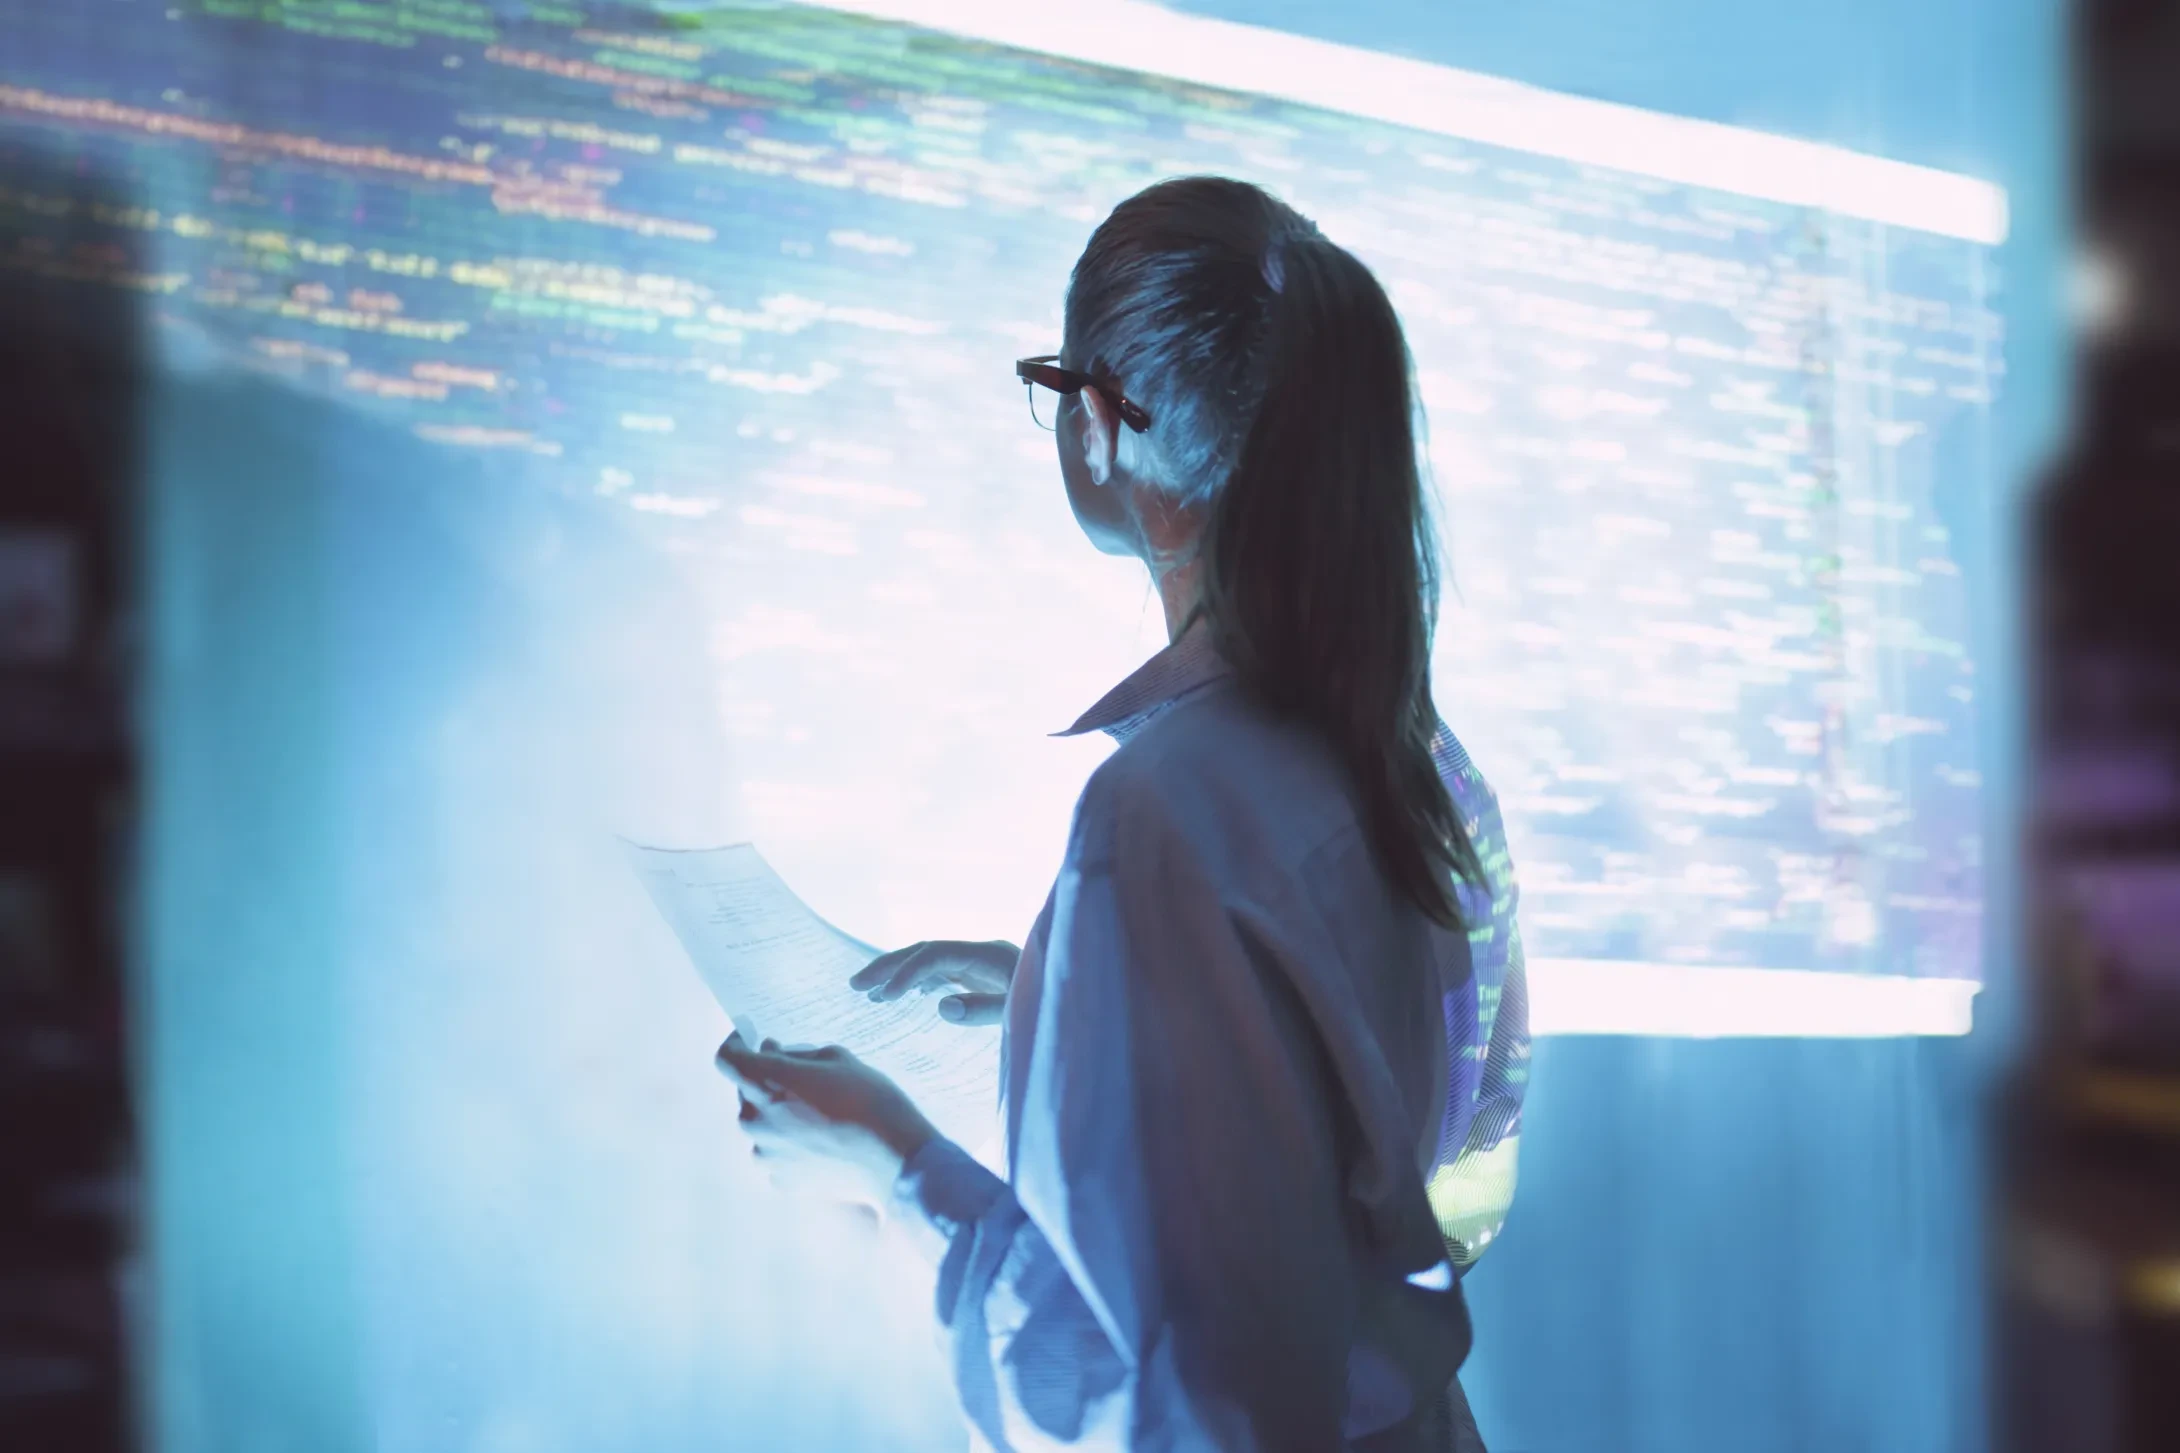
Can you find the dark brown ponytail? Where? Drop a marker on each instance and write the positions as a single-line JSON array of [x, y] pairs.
[[1278, 377]]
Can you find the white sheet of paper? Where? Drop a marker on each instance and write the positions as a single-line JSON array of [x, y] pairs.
[[781, 972]]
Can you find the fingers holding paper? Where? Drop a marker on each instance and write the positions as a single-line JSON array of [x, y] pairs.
[[821, 1121], [977, 972]]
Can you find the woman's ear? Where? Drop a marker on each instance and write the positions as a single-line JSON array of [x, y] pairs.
[[1100, 436]]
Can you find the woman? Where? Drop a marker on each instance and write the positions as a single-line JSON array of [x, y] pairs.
[[1266, 1042]]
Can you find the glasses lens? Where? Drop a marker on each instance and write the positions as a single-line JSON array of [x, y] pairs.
[[1044, 406]]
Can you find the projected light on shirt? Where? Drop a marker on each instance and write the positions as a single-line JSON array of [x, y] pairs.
[[1703, 407]]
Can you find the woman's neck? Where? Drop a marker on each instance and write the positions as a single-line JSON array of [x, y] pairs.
[[1168, 539], [1178, 591]]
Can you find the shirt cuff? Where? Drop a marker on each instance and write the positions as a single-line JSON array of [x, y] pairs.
[[942, 1191]]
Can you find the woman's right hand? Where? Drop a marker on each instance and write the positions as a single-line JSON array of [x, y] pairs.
[[977, 973]]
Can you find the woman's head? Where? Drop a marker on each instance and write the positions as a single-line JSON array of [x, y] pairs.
[[1279, 471]]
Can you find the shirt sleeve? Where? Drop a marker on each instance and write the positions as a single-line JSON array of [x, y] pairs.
[[1164, 1271], [1472, 1193], [1473, 1189]]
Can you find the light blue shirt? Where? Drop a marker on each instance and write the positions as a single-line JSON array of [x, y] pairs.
[[1259, 1110]]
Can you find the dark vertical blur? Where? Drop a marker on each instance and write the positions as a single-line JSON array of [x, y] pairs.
[[69, 370], [2090, 1273]]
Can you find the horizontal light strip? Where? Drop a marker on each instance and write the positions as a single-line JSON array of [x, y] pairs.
[[1133, 35], [1600, 996]]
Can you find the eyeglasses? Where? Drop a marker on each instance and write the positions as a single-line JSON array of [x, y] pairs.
[[1044, 373]]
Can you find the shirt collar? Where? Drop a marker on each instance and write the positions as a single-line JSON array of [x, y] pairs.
[[1188, 664]]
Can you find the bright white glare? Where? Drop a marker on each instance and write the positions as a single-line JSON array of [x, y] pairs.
[[1587, 996], [1137, 36]]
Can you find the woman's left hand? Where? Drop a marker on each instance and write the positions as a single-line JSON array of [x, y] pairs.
[[822, 1121]]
